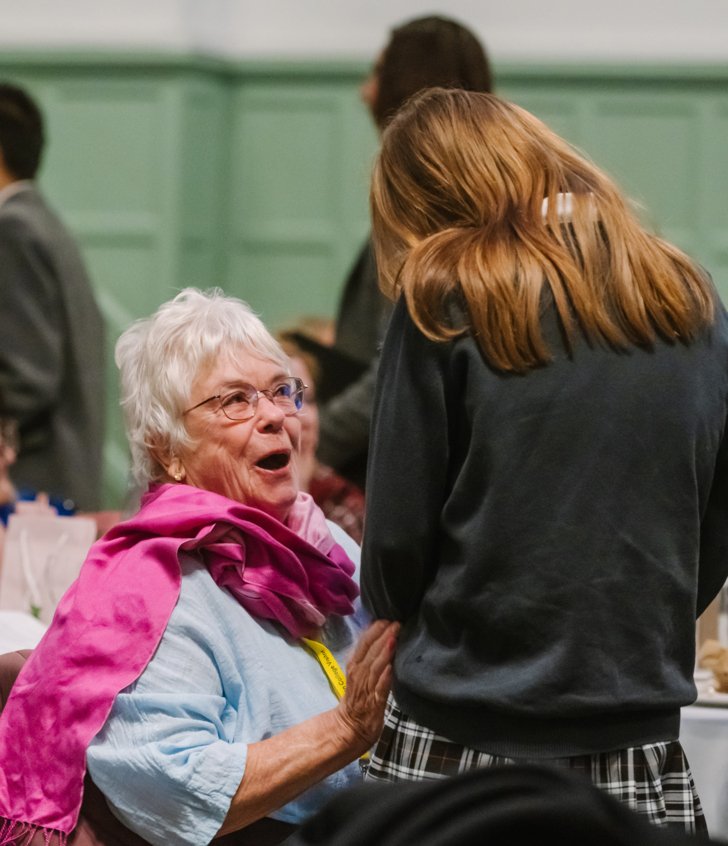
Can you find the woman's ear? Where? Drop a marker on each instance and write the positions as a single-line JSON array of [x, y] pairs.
[[172, 465]]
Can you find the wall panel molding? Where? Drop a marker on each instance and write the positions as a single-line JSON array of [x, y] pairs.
[[177, 170]]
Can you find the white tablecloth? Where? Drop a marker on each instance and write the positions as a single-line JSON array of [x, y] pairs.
[[704, 737], [19, 631]]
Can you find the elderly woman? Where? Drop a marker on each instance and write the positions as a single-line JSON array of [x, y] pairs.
[[193, 664]]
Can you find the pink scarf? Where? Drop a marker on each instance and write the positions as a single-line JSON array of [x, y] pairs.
[[110, 621]]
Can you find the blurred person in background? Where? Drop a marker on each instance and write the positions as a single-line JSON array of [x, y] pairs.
[[547, 512], [52, 351], [340, 499], [11, 499], [421, 53], [8, 454]]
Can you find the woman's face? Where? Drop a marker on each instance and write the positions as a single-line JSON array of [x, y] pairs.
[[250, 461], [8, 454], [7, 457], [369, 89], [309, 416], [309, 419]]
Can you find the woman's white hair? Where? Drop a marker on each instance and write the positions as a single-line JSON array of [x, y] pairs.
[[159, 358]]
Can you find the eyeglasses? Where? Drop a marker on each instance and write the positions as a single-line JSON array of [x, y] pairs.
[[242, 402]]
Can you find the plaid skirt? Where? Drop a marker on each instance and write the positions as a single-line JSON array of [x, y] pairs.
[[654, 780]]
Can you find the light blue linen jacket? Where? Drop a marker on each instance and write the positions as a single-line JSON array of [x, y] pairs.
[[173, 751]]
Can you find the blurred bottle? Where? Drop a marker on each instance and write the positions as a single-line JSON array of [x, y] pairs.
[[723, 615]]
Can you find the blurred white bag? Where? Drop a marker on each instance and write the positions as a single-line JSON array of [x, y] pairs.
[[42, 556], [19, 630]]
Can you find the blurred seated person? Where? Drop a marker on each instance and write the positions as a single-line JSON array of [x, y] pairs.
[[8, 447], [187, 665], [8, 454], [15, 499], [341, 500], [27, 501]]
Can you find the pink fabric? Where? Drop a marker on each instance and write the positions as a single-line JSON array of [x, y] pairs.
[[110, 621]]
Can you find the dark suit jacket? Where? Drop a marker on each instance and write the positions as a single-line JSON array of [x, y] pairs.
[[51, 353]]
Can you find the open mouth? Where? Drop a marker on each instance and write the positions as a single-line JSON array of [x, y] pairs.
[[274, 461]]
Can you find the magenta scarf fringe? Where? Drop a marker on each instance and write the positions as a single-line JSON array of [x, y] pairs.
[[14, 833]]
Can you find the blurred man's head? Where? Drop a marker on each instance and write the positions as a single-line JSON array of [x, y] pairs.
[[423, 53], [21, 133]]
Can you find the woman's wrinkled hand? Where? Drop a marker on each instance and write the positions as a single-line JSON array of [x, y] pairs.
[[368, 680]]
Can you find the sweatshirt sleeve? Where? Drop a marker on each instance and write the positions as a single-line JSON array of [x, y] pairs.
[[407, 471], [714, 534]]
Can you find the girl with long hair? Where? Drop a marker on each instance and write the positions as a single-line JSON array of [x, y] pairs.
[[547, 510]]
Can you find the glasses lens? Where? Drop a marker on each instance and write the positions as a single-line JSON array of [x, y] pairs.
[[240, 403], [288, 396]]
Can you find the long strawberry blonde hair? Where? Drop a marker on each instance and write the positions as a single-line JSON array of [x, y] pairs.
[[474, 198]]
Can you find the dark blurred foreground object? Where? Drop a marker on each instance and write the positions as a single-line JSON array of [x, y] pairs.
[[510, 805]]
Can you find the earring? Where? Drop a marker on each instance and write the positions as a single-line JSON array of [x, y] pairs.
[[179, 472]]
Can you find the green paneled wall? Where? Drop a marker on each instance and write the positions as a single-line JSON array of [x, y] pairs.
[[660, 132], [301, 150], [177, 171]]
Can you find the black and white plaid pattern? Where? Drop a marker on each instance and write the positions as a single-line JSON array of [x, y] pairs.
[[654, 780]]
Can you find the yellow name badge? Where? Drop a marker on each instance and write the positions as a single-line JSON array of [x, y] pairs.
[[329, 665], [335, 675]]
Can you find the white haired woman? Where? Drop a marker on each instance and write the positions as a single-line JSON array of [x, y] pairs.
[[193, 664]]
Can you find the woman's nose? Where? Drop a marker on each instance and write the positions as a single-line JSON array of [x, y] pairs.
[[268, 413]]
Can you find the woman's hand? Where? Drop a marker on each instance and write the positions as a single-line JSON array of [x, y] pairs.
[[368, 680], [281, 767]]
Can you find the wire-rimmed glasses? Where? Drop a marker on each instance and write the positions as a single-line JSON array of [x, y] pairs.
[[241, 402]]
